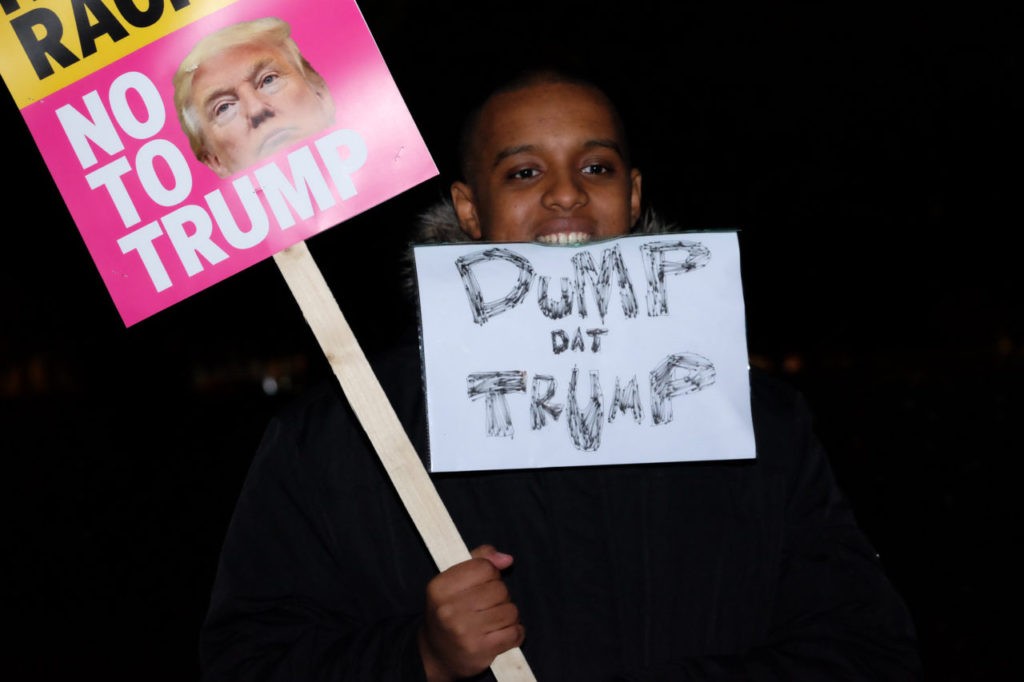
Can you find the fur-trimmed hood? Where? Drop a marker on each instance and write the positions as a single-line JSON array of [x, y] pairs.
[[439, 225]]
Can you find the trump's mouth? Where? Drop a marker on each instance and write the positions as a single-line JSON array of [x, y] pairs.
[[277, 139]]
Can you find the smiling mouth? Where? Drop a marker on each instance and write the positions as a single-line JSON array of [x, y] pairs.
[[564, 238]]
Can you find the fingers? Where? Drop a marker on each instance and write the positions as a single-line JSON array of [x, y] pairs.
[[469, 617], [465, 577], [502, 639]]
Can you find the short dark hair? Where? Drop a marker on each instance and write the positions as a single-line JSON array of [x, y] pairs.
[[541, 75]]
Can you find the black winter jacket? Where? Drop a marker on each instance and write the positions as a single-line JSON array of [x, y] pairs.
[[734, 570]]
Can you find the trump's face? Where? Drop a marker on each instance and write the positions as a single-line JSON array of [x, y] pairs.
[[252, 100]]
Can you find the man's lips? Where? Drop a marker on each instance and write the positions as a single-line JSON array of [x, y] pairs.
[[276, 140]]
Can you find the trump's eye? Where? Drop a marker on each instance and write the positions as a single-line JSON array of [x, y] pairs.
[[269, 82], [223, 110]]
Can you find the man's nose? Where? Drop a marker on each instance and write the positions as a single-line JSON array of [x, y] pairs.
[[256, 109], [564, 190]]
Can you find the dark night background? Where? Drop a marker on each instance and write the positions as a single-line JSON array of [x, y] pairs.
[[868, 157]]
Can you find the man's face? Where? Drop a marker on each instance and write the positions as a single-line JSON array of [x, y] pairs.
[[548, 167], [250, 101]]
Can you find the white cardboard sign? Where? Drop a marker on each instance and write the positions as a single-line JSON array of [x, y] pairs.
[[627, 350]]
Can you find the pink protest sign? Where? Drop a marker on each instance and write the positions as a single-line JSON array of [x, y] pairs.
[[289, 123]]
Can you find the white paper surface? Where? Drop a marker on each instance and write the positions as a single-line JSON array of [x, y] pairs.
[[499, 373]]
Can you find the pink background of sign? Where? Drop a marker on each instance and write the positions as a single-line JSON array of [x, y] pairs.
[[334, 38]]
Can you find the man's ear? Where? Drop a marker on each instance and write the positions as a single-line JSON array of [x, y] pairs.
[[634, 196], [465, 209]]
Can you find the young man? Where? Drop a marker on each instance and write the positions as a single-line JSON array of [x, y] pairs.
[[752, 570], [245, 92]]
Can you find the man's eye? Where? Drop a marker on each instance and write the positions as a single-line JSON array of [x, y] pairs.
[[222, 109], [596, 169], [269, 81], [524, 174]]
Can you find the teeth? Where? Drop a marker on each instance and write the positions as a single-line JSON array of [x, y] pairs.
[[565, 238]]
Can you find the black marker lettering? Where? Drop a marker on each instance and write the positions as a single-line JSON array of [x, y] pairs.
[[554, 309], [626, 399], [698, 374], [493, 386], [611, 261], [559, 341], [655, 267], [485, 310], [595, 336], [585, 428], [541, 392], [577, 341]]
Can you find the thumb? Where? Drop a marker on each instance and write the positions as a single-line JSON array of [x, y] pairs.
[[499, 560]]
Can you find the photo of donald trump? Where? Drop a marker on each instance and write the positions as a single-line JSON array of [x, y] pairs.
[[245, 92]]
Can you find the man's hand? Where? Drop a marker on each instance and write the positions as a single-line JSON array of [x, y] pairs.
[[469, 617]]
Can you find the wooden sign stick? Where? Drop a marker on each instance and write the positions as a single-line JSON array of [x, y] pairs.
[[381, 424]]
